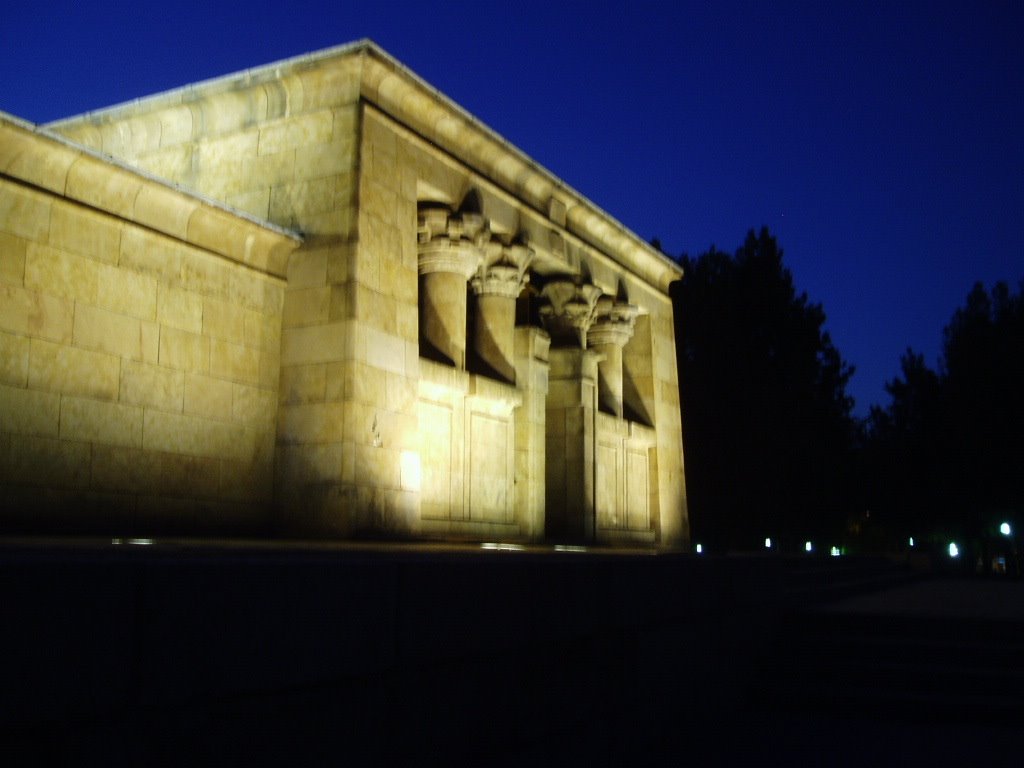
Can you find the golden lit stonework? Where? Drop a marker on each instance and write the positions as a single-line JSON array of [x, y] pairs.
[[319, 299]]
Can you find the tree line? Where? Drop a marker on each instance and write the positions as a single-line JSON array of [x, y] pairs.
[[772, 447]]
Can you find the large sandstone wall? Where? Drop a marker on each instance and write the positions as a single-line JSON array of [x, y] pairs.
[[138, 370]]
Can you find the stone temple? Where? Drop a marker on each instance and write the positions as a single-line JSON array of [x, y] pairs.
[[319, 299]]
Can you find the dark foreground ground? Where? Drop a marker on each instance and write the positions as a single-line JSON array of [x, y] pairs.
[[135, 653]]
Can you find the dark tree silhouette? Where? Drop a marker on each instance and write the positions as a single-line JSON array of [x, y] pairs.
[[947, 452], [766, 420]]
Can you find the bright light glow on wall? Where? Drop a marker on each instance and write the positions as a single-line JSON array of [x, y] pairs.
[[493, 545], [954, 550], [699, 549], [410, 462], [768, 543], [1004, 529], [569, 548], [808, 546]]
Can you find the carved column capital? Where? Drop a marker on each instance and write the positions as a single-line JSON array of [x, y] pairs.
[[570, 309], [613, 322], [503, 272], [450, 242]]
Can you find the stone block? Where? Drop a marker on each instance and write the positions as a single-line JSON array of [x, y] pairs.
[[316, 344], [337, 380], [173, 163], [366, 384], [154, 386], [207, 396], [262, 330], [270, 369], [37, 314], [318, 160], [290, 203], [99, 421], [234, 362], [165, 210], [302, 465], [196, 436], [24, 212], [27, 412], [311, 423], [307, 268], [382, 350], [265, 171], [190, 476], [175, 125], [79, 230], [183, 350], [50, 463], [303, 384], [120, 468], [126, 292], [91, 182], [255, 202], [308, 306], [246, 481], [291, 132], [254, 406], [14, 354], [378, 467], [60, 368], [60, 273], [12, 258], [179, 309], [223, 320], [151, 254]]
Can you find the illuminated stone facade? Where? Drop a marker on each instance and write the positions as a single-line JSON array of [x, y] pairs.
[[318, 298]]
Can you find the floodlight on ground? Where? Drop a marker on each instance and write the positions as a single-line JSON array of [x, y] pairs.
[[700, 549], [1004, 528], [768, 542], [808, 546], [954, 550], [910, 541]]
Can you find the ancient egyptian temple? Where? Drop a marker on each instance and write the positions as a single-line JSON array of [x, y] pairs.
[[319, 299]]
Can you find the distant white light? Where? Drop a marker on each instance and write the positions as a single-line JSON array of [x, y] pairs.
[[835, 552], [1004, 529], [501, 547], [910, 541], [699, 549], [807, 546], [768, 543], [140, 542], [954, 550], [569, 548]]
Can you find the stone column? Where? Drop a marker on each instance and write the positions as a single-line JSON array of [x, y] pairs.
[[450, 251], [571, 412], [497, 285], [611, 328]]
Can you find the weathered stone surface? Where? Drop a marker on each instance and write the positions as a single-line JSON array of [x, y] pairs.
[[329, 309]]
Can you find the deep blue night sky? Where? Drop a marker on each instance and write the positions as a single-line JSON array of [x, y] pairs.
[[882, 143]]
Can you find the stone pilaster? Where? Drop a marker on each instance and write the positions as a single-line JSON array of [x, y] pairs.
[[449, 252], [497, 285], [531, 352], [611, 328], [571, 433]]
